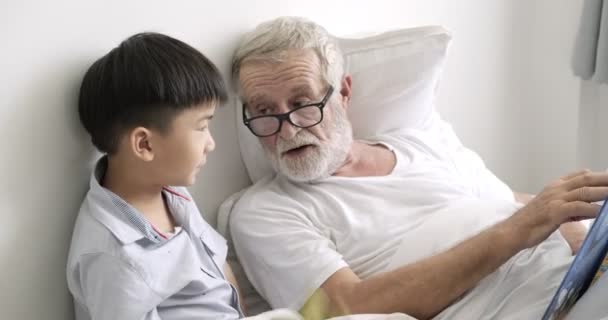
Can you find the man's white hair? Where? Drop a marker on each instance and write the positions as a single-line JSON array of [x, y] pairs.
[[270, 41]]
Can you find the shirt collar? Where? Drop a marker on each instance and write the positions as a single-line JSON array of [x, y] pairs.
[[125, 222], [185, 212]]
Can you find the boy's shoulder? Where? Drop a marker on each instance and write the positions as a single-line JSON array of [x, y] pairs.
[[91, 236], [101, 227]]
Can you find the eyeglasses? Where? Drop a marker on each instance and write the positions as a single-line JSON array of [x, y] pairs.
[[304, 116]]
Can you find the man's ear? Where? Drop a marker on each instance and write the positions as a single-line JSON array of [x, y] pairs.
[[346, 90], [140, 143]]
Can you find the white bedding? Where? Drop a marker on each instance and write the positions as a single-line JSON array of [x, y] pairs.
[[283, 314]]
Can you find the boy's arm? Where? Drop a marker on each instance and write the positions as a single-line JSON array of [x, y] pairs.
[[232, 279], [114, 290]]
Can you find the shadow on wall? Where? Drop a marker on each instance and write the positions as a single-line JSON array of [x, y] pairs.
[[47, 181], [592, 128]]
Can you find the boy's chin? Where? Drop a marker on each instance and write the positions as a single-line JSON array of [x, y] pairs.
[[190, 181], [186, 182]]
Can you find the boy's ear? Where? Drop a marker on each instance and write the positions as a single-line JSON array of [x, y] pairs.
[[141, 144]]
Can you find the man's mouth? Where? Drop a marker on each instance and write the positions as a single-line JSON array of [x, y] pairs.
[[297, 150]]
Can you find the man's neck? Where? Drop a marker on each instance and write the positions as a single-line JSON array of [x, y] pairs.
[[366, 160], [126, 182]]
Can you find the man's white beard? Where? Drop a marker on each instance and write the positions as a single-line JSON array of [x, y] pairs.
[[322, 159]]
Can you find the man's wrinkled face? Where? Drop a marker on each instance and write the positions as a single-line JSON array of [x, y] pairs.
[[302, 154]]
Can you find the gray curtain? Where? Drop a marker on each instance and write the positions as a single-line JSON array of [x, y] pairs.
[[590, 60]]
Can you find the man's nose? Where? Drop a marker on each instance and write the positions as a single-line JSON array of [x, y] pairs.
[[288, 130]]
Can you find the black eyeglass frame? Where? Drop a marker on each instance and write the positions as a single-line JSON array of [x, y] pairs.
[[286, 116]]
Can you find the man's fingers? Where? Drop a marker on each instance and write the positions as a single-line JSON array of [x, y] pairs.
[[589, 179], [587, 194], [579, 210], [575, 174]]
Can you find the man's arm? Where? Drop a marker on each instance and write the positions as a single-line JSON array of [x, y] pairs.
[[425, 288], [522, 197], [573, 232]]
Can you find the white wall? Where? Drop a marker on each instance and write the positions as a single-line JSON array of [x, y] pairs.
[[593, 128], [46, 157], [564, 118], [551, 105]]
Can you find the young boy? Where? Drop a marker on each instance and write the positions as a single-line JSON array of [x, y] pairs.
[[140, 249]]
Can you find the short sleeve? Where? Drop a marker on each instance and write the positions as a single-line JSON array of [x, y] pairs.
[[284, 256], [114, 290]]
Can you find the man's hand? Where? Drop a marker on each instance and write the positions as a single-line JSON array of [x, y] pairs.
[[565, 200]]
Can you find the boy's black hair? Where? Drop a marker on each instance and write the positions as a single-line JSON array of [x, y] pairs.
[[146, 81]]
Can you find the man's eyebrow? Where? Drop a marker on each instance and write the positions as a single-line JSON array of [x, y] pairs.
[[303, 90], [255, 98], [299, 90]]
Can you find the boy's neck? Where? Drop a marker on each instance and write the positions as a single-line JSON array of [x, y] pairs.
[[126, 182]]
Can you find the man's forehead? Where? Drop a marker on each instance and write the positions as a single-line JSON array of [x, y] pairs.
[[280, 57], [273, 74], [303, 88], [261, 80]]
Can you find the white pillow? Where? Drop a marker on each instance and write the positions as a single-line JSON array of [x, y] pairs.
[[395, 76]]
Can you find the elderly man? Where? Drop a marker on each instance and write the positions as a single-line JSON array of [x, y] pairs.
[[339, 220]]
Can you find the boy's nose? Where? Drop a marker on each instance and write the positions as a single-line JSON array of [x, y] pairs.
[[211, 144]]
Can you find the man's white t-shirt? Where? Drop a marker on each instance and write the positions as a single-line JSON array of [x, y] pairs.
[[290, 236]]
